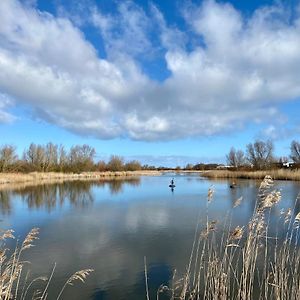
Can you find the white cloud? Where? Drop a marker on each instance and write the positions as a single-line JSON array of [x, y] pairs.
[[239, 72], [5, 102], [126, 32]]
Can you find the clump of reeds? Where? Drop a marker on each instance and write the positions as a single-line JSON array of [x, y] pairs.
[[247, 262], [276, 174], [13, 285]]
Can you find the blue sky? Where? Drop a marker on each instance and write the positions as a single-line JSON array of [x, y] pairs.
[[166, 82]]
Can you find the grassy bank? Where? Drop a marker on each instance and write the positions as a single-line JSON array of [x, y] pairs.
[[35, 177], [281, 174]]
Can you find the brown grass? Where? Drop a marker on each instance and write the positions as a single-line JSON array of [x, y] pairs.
[[247, 262], [280, 174], [13, 285], [8, 178]]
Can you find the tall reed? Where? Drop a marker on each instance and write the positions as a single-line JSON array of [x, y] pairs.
[[245, 262], [13, 283], [276, 174]]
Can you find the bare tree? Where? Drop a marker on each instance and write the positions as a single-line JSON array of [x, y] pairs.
[[133, 165], [295, 152], [30, 153], [240, 158], [235, 158], [51, 157], [231, 157], [81, 158], [101, 166], [116, 163], [260, 154], [62, 159], [7, 157], [36, 157]]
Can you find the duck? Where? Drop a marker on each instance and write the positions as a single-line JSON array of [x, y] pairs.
[[232, 185]]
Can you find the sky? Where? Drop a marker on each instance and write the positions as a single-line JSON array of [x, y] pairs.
[[166, 82]]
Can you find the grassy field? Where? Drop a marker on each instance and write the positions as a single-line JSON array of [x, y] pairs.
[[280, 174]]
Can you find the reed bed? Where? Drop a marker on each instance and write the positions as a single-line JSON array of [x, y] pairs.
[[6, 178], [244, 262], [280, 174], [14, 283]]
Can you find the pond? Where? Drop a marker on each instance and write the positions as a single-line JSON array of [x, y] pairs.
[[111, 226]]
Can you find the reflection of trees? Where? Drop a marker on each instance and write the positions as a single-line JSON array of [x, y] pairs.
[[49, 196], [5, 205], [76, 193], [116, 186], [39, 196], [79, 193]]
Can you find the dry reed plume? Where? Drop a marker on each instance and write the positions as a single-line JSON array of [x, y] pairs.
[[13, 285], [246, 262]]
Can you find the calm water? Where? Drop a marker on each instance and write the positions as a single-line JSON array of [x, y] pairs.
[[111, 226]]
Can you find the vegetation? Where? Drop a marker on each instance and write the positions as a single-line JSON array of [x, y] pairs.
[[244, 262], [236, 158], [81, 158], [13, 285], [260, 156], [55, 158], [295, 152], [278, 174]]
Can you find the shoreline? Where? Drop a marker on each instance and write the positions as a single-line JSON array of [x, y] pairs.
[[281, 174], [52, 177]]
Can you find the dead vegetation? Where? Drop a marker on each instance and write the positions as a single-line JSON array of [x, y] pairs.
[[244, 262]]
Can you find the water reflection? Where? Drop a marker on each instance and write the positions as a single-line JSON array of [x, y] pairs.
[[5, 205], [116, 186], [113, 237], [51, 196]]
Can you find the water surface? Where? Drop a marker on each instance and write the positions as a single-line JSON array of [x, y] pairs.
[[111, 226]]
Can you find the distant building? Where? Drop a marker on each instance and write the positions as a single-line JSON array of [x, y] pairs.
[[223, 167], [288, 164]]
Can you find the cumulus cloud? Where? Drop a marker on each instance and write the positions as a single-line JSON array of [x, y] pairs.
[[5, 102], [126, 33], [240, 70]]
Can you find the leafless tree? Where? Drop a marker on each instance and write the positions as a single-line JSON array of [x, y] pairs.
[[133, 165], [7, 157], [260, 154], [235, 158], [295, 152], [51, 157], [116, 163], [62, 159], [81, 157]]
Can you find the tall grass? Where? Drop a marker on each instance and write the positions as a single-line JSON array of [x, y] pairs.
[[277, 174], [38, 177], [245, 262], [14, 283]]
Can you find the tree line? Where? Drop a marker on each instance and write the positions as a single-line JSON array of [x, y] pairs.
[[81, 158], [56, 158], [260, 155]]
